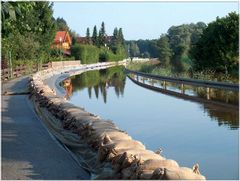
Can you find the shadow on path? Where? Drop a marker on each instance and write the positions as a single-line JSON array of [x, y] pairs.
[[28, 150]]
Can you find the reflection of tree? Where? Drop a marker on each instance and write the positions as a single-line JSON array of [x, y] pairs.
[[230, 97], [222, 105], [96, 90], [224, 116], [100, 81], [90, 92]]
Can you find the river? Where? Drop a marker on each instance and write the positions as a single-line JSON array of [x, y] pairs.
[[187, 131]]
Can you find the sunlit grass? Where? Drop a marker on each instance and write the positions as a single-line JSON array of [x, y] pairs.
[[156, 69]]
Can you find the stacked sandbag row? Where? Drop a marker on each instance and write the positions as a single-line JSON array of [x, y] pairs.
[[129, 158]]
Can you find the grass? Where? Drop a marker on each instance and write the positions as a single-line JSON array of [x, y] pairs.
[[156, 69]]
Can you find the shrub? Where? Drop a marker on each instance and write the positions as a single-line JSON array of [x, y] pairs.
[[86, 53]]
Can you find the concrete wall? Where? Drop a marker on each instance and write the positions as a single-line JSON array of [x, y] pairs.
[[65, 64]]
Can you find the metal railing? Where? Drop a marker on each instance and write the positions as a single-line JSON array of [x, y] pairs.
[[193, 82]]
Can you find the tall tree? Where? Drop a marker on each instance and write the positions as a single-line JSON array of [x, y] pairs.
[[88, 36], [180, 40], [165, 53], [95, 36], [73, 35], [61, 24], [102, 35], [134, 50], [115, 35], [120, 36]]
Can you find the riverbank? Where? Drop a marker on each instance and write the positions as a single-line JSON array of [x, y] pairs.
[[155, 68], [29, 151]]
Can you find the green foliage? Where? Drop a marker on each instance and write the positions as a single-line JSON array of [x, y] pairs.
[[133, 49], [86, 53], [74, 36], [207, 74], [89, 41], [165, 53], [146, 48], [107, 55], [28, 30], [102, 35], [61, 24], [120, 37], [95, 36], [181, 39], [218, 47], [115, 36]]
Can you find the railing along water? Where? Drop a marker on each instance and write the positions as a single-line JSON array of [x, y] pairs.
[[193, 82]]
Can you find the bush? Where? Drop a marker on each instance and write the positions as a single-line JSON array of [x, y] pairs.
[[107, 55], [86, 53]]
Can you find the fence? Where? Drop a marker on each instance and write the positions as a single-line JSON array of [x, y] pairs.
[[24, 69]]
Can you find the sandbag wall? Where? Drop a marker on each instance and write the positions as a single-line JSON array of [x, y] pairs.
[[129, 158]]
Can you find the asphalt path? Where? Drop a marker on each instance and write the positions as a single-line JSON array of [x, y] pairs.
[[29, 151]]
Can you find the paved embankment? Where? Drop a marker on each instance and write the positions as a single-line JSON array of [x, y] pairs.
[[28, 149]]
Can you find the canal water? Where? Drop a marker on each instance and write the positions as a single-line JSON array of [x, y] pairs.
[[188, 132]]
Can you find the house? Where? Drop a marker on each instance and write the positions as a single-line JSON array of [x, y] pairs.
[[63, 41], [82, 40]]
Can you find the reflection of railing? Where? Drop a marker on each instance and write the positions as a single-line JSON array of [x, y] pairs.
[[182, 95], [193, 82]]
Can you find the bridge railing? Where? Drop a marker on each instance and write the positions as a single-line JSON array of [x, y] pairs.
[[193, 82]]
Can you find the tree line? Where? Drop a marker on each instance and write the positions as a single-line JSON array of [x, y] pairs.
[[100, 47], [195, 47], [29, 28]]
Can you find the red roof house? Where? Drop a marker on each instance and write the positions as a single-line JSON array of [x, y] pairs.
[[63, 41]]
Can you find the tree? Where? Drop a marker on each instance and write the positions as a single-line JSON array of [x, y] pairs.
[[115, 36], [181, 39], [120, 36], [95, 36], [134, 50], [218, 46], [34, 20], [102, 35], [165, 53], [73, 35], [61, 24], [88, 36]]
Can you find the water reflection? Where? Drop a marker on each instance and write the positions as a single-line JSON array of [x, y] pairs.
[[67, 84], [99, 81], [221, 105], [188, 132]]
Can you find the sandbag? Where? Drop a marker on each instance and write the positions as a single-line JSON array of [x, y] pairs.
[[181, 174], [145, 175], [153, 164]]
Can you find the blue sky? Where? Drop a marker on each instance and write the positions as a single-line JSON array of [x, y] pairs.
[[139, 20]]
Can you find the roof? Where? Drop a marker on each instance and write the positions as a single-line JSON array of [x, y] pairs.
[[63, 36], [82, 39]]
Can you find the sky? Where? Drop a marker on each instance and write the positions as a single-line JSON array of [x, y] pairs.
[[139, 20]]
